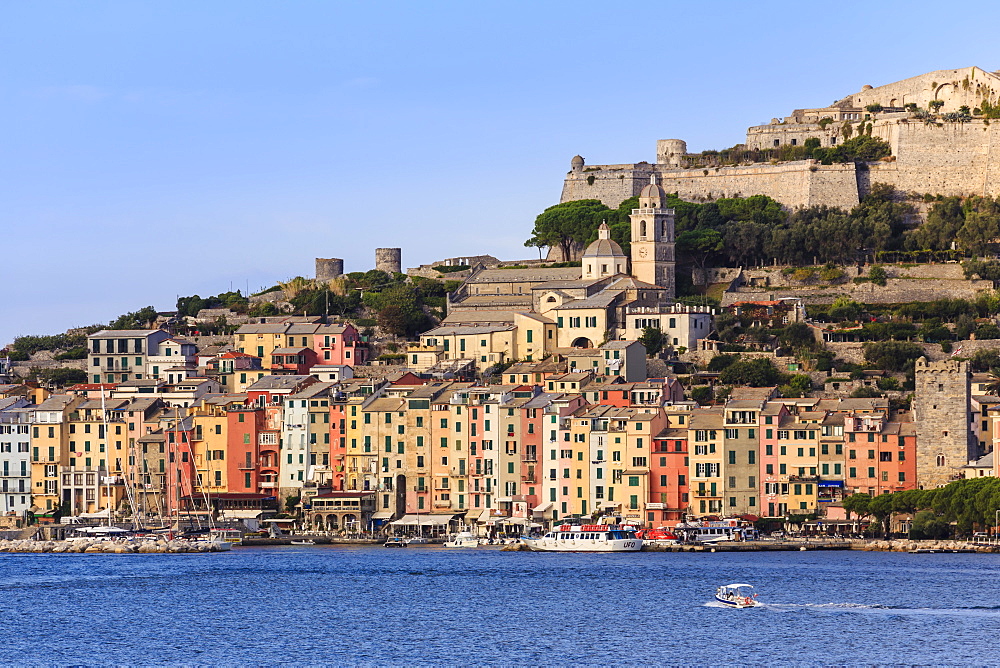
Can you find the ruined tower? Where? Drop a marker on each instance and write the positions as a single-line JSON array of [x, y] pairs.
[[941, 416], [653, 239], [670, 152], [389, 260], [328, 268]]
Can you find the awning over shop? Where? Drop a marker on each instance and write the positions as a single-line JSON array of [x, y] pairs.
[[240, 514], [98, 514], [382, 515], [830, 483], [423, 520], [545, 507], [485, 516], [275, 521]]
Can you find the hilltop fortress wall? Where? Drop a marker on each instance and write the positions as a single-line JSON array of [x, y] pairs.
[[937, 156], [948, 159], [794, 184], [945, 159]]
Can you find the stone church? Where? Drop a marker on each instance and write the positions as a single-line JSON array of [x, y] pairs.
[[529, 313]]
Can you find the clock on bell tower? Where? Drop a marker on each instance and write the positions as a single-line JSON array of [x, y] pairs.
[[653, 239]]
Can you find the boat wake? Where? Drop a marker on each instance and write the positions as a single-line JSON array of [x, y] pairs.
[[974, 611]]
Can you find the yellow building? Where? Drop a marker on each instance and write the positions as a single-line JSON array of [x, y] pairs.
[[50, 449], [705, 447], [209, 442]]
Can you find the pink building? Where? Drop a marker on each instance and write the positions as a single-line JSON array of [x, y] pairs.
[[338, 344]]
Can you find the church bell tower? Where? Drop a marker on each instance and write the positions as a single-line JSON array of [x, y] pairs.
[[653, 239]]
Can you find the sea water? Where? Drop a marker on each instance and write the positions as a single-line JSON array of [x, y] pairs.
[[432, 605]]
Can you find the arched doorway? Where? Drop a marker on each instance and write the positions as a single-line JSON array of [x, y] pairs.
[[582, 342]]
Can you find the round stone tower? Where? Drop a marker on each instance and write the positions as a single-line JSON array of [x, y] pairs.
[[576, 164], [328, 268], [670, 152], [389, 260]]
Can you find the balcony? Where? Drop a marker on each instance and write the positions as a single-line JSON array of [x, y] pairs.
[[530, 457], [117, 367], [442, 504], [269, 484], [529, 479]]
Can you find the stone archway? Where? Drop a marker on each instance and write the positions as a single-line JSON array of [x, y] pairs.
[[582, 342]]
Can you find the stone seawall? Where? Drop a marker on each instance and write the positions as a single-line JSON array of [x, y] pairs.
[[107, 546]]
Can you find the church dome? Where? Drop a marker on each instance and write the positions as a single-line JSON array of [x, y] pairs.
[[652, 190], [605, 246]]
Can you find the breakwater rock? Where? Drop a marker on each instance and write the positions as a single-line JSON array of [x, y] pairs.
[[108, 546], [927, 546]]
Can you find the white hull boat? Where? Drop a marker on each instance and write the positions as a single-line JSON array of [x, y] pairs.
[[586, 538], [737, 596], [462, 539]]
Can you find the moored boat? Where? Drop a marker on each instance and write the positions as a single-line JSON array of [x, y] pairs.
[[587, 538], [462, 539], [659, 536], [716, 531], [307, 541], [737, 596], [394, 541]]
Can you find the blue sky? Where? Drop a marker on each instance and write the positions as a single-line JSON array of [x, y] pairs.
[[155, 150]]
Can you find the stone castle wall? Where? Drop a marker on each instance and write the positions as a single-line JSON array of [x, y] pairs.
[[920, 283], [944, 158], [896, 290], [794, 184]]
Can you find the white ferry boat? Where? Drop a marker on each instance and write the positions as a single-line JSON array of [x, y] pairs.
[[587, 538]]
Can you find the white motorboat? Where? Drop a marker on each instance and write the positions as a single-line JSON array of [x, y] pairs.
[[587, 538], [462, 539], [418, 540], [737, 596], [307, 541]]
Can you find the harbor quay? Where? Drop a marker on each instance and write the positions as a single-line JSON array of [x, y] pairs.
[[181, 546]]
